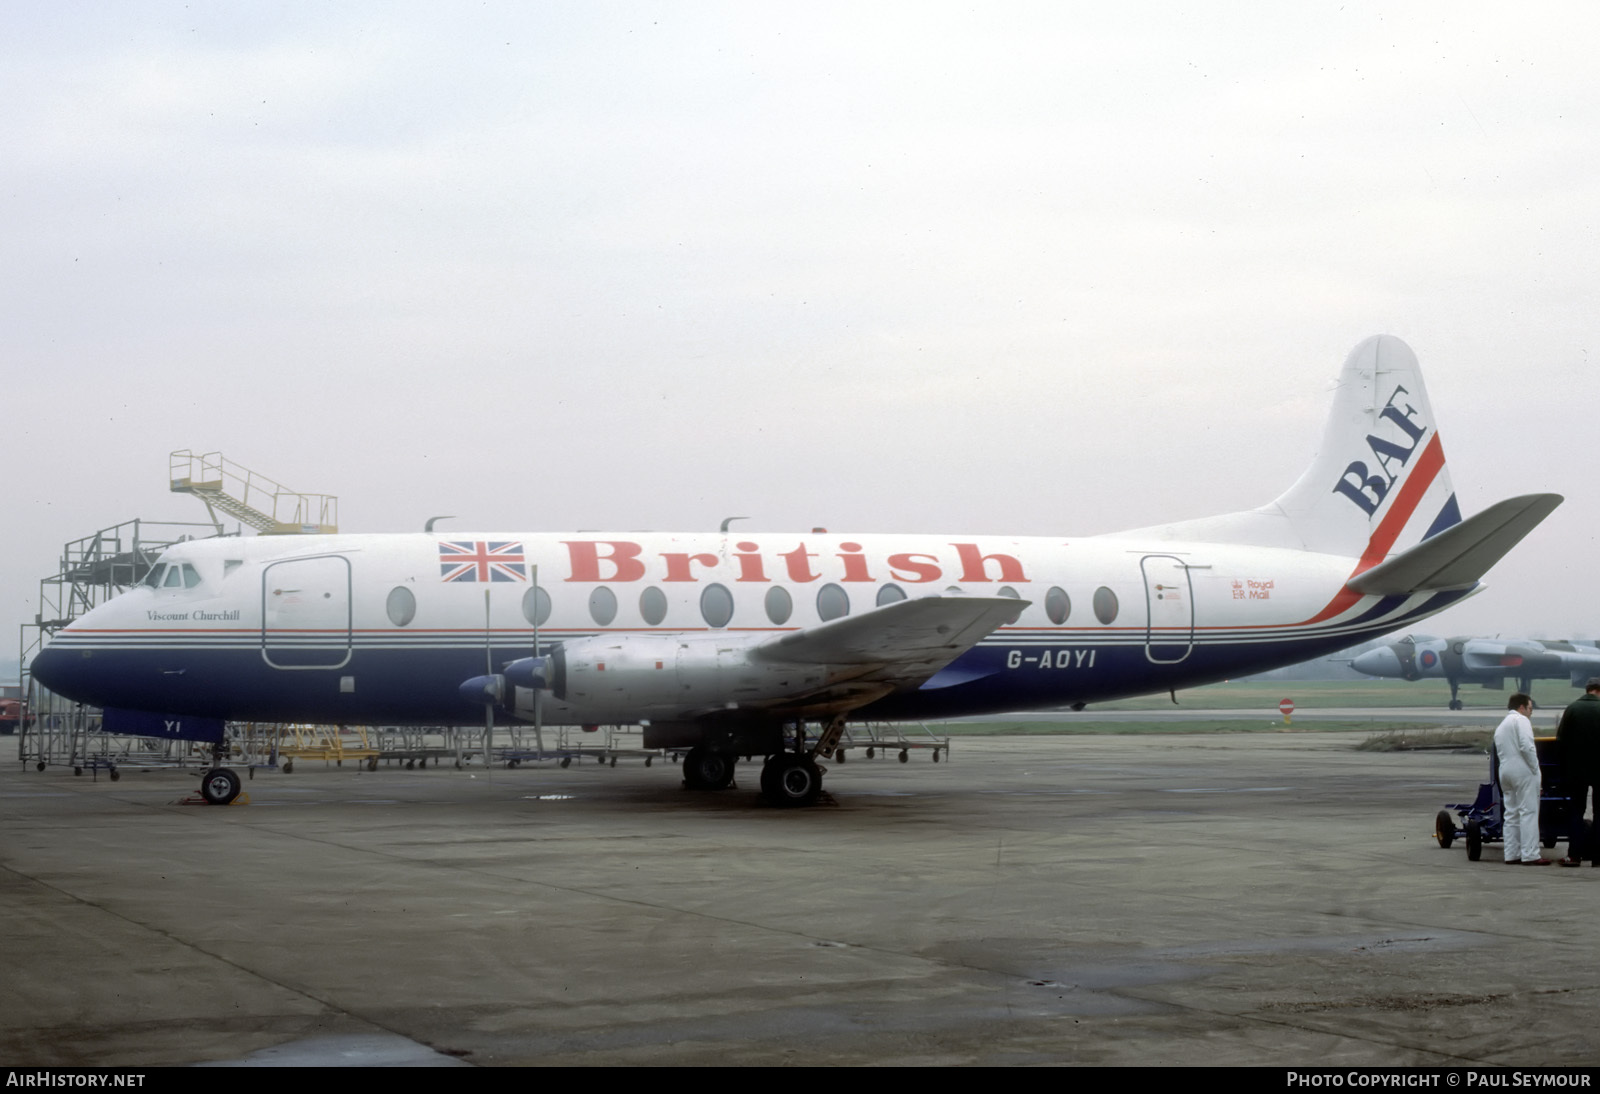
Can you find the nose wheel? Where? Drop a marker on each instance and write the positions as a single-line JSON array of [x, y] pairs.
[[219, 786]]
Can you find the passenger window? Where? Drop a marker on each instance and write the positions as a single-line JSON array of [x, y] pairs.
[[653, 605], [401, 606], [889, 594], [832, 602], [602, 605], [1105, 605], [716, 605], [779, 605], [536, 606], [1057, 605]]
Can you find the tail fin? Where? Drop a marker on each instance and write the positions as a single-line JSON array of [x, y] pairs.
[[1378, 484]]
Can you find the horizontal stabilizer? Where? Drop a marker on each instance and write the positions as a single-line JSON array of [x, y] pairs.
[[910, 639], [1461, 554]]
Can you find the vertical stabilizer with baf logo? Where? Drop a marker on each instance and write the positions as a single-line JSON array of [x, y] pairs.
[[1378, 490], [1379, 483]]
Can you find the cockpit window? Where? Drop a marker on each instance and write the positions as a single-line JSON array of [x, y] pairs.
[[173, 575]]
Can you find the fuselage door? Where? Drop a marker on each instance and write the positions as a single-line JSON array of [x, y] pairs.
[[305, 613], [1169, 598]]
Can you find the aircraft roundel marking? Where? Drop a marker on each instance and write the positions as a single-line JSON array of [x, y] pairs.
[[1428, 659]]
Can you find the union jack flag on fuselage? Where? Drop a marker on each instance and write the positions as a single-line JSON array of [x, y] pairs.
[[481, 561]]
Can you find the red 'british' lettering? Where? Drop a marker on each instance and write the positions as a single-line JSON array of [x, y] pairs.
[[855, 566], [974, 564], [751, 567], [918, 571], [799, 568], [678, 564], [622, 557]]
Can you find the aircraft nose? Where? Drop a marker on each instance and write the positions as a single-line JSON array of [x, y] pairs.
[[1379, 662], [57, 670]]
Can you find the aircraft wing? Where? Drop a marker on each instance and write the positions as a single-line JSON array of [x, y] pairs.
[[899, 644], [1526, 655], [1460, 555]]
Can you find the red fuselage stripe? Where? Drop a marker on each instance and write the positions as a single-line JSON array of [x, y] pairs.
[[1393, 523]]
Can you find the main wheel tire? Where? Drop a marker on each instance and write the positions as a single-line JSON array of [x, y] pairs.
[[790, 780], [1444, 829], [1474, 840], [219, 786], [706, 768]]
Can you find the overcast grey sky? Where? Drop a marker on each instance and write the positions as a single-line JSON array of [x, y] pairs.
[[1026, 268]]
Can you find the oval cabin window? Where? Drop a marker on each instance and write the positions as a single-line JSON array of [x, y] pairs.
[[536, 606], [716, 605], [602, 605], [401, 605], [1057, 605], [653, 606], [779, 605], [1105, 605], [832, 602]]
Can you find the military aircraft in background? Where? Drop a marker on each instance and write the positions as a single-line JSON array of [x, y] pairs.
[[1486, 661], [731, 644]]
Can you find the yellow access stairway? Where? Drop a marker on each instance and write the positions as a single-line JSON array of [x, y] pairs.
[[250, 498]]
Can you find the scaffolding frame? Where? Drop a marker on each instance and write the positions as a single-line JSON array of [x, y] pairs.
[[92, 570]]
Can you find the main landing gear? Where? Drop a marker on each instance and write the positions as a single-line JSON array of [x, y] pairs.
[[793, 779], [791, 776]]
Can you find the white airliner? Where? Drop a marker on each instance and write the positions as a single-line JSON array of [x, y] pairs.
[[730, 644]]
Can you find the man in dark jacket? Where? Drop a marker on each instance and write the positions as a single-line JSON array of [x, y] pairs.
[[1578, 752]]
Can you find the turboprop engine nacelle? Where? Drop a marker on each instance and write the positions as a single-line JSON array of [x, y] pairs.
[[644, 676]]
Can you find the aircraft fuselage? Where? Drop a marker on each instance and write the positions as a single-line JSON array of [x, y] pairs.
[[383, 629]]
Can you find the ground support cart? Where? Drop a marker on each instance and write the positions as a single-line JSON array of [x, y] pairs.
[[1480, 821]]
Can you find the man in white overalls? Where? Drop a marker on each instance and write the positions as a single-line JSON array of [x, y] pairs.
[[1519, 783]]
